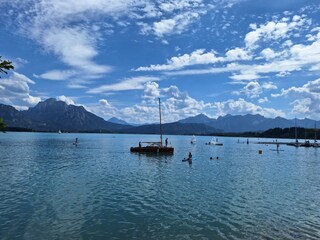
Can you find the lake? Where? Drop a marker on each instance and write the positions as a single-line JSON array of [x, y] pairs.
[[52, 189]]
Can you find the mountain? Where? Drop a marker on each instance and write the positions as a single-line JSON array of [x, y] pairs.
[[201, 118], [118, 121], [53, 115], [248, 123], [12, 117], [173, 128], [306, 123]]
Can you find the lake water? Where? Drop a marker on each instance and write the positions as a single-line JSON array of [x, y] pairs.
[[51, 189]]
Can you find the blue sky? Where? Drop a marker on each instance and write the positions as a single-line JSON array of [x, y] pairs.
[[116, 57]]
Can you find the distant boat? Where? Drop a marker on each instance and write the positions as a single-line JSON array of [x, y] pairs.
[[306, 144], [193, 139], [296, 143], [154, 147], [214, 142], [315, 144], [59, 131]]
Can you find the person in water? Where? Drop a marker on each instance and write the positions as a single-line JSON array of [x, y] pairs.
[[190, 155], [166, 142], [139, 144]]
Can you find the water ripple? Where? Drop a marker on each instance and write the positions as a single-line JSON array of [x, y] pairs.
[[51, 189]]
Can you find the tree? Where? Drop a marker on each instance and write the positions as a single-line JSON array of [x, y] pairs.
[[2, 124], [5, 65]]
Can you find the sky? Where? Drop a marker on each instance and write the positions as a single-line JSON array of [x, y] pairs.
[[117, 57]]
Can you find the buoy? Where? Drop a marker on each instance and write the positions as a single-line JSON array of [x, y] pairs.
[[260, 151]]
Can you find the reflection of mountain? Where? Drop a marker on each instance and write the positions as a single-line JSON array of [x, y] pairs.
[[53, 115]]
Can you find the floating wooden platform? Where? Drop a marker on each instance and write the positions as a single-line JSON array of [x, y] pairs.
[[152, 149]]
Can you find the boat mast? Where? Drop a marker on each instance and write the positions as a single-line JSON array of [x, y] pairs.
[[295, 130], [315, 131], [160, 123]]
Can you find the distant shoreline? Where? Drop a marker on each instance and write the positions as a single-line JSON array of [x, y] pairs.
[[286, 133]]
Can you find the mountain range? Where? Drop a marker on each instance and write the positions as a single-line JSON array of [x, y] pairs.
[[54, 115], [249, 123]]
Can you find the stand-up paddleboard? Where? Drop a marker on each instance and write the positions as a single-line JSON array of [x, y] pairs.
[[76, 142], [187, 159]]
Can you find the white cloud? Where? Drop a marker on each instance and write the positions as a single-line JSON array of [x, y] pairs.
[[164, 27], [175, 105], [67, 100], [151, 90], [296, 58], [296, 18], [301, 106], [198, 56], [21, 77], [104, 109], [269, 86], [19, 62], [307, 98], [306, 54], [181, 104], [241, 106], [134, 83], [104, 102], [76, 86], [268, 54], [170, 6], [247, 76], [141, 113], [63, 9], [263, 100], [58, 74], [310, 89], [68, 29], [31, 100], [315, 67], [15, 90], [171, 17], [254, 89], [175, 25], [237, 54], [291, 57], [274, 30], [76, 48]]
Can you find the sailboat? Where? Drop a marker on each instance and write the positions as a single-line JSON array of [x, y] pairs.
[[154, 147], [315, 144], [306, 142], [215, 142], [296, 143], [193, 139]]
